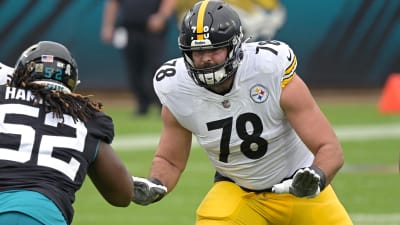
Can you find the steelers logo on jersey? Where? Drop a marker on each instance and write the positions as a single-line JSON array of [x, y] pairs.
[[258, 93]]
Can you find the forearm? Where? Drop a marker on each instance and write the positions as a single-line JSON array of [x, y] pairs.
[[110, 13], [310, 181], [166, 172], [329, 158]]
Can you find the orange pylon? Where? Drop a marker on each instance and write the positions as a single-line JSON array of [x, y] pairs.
[[389, 101]]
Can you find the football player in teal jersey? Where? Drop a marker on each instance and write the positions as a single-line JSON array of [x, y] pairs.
[[50, 139]]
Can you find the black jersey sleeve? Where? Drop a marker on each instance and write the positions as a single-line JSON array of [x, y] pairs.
[[102, 127]]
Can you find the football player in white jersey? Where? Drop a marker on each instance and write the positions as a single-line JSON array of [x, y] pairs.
[[5, 71], [274, 151]]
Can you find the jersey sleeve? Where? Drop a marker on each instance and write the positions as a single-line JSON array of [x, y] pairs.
[[168, 77], [290, 65], [102, 128], [282, 56]]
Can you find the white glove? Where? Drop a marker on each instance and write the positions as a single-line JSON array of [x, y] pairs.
[[306, 182], [147, 191]]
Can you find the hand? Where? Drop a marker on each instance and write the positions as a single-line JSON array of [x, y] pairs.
[[147, 191], [156, 23], [307, 182], [107, 33]]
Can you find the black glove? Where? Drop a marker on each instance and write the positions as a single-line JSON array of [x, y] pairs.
[[307, 182], [147, 191]]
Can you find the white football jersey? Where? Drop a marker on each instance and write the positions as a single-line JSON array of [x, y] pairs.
[[244, 132], [4, 72]]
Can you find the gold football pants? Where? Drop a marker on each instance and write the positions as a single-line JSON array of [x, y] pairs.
[[227, 204]]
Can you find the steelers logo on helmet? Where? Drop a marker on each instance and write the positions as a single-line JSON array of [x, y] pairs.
[[211, 25]]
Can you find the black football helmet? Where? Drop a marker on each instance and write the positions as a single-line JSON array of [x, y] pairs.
[[210, 25], [50, 63]]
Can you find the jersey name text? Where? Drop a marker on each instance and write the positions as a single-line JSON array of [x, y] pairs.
[[19, 94]]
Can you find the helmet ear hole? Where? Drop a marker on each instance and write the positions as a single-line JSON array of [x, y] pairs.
[[30, 67]]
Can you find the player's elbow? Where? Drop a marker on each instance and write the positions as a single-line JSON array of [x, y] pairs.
[[339, 159], [120, 199], [122, 204], [120, 195]]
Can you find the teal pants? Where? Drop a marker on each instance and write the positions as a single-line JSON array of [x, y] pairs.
[[22, 207], [17, 218]]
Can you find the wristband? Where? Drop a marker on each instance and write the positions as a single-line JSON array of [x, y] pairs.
[[156, 181], [322, 177]]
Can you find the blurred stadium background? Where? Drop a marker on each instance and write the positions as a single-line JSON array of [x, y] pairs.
[[338, 43], [346, 50]]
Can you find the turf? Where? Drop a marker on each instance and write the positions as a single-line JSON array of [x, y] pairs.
[[368, 184]]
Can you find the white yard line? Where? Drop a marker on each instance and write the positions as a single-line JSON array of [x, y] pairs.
[[363, 132], [135, 142], [345, 133], [375, 219]]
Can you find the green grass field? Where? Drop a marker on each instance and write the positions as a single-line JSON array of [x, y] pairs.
[[368, 184]]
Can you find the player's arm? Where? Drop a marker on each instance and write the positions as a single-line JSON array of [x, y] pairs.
[[168, 163], [312, 127], [173, 151], [110, 13], [111, 177]]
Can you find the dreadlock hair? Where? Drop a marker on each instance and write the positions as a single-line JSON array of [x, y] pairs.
[[78, 106]]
